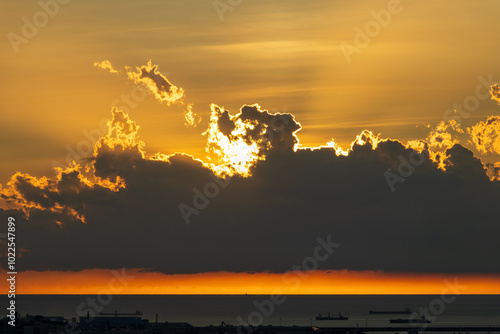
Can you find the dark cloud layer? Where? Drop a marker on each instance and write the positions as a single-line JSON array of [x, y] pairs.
[[435, 221]]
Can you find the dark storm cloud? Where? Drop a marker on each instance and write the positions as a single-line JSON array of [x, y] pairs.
[[127, 213]]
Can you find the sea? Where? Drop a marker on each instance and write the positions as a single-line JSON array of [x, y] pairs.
[[299, 310]]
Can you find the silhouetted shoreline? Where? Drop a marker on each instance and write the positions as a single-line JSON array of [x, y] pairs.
[[39, 324]]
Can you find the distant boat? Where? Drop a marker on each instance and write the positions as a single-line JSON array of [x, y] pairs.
[[406, 311], [422, 320], [116, 313], [331, 317]]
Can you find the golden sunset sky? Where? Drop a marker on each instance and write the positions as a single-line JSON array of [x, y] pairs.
[[286, 57]]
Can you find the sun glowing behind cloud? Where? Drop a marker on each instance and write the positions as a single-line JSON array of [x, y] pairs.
[[229, 153], [236, 142]]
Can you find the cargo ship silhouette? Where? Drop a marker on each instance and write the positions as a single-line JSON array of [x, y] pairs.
[[406, 311], [331, 317], [422, 320]]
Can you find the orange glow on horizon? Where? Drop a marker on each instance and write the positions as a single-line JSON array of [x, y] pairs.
[[138, 281]]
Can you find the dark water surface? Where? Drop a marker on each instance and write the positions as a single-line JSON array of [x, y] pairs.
[[289, 310]]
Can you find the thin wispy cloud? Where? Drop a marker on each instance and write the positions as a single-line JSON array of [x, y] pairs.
[[105, 65]]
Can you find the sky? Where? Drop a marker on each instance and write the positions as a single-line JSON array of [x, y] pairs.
[[200, 142]]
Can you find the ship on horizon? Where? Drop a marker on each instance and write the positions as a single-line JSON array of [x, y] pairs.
[[406, 311], [331, 317], [422, 320]]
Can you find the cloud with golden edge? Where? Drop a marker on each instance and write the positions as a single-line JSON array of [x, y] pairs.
[[364, 138], [338, 149], [156, 83], [105, 65], [61, 196], [158, 86], [440, 138], [493, 170], [191, 119], [495, 92], [486, 135], [418, 145], [65, 195], [122, 131], [236, 142]]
